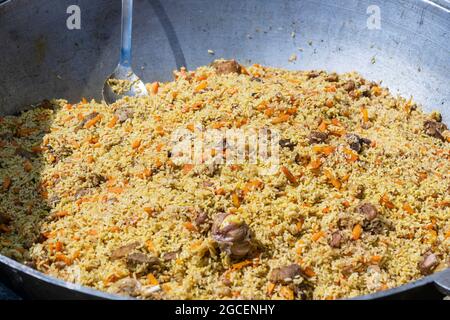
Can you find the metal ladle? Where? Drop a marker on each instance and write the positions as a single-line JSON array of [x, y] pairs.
[[124, 73]]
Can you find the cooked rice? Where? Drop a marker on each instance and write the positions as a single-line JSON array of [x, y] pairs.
[[83, 191]]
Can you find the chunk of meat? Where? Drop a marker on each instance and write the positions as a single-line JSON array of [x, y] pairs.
[[369, 211], [226, 66], [335, 240], [428, 264], [285, 274], [232, 235], [168, 256], [349, 86], [317, 137], [81, 193], [124, 114], [25, 154], [123, 251], [202, 221], [333, 77], [138, 258], [356, 142], [287, 143], [313, 74], [4, 219], [126, 287], [435, 129]]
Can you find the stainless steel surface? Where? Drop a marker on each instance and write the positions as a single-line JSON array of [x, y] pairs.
[[410, 54], [123, 70]]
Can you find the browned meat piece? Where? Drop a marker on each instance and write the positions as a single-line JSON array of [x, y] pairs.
[[127, 287], [302, 159], [435, 129], [369, 211], [313, 74], [170, 255], [202, 221], [232, 235], [358, 191], [286, 274], [356, 142], [4, 219], [428, 264], [86, 119], [349, 86], [96, 179], [317, 137], [81, 193], [123, 251], [287, 143], [25, 154], [124, 114], [45, 104], [227, 66], [335, 240], [138, 258], [332, 78]]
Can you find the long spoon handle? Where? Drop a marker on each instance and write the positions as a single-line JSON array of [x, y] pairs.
[[127, 27]]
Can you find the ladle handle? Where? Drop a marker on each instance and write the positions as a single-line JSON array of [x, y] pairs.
[[127, 27]]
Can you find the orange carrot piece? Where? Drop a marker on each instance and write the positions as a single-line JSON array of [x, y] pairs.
[[365, 114], [316, 236], [287, 293], [113, 121], [187, 168], [270, 288], [189, 226], [356, 232], [6, 183], [386, 202], [136, 143], [291, 178], [154, 88], [116, 190], [408, 208], [152, 280], [235, 200], [202, 85]]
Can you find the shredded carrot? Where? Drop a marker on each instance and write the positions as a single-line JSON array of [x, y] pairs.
[[316, 236], [443, 204], [187, 168], [323, 126], [309, 272], [384, 200], [154, 88], [152, 280], [270, 288], [408, 208], [287, 293], [150, 246], [202, 85], [346, 204], [93, 122], [292, 179], [84, 101], [335, 182], [365, 114], [113, 121], [136, 143], [6, 183], [352, 156], [280, 119], [189, 226], [356, 232], [375, 259], [315, 164], [326, 150], [61, 214], [240, 265], [190, 127], [326, 210], [330, 89], [63, 258], [329, 103], [116, 190], [235, 199], [376, 90], [220, 192]]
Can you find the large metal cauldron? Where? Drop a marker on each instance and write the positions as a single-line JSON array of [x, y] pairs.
[[404, 43]]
